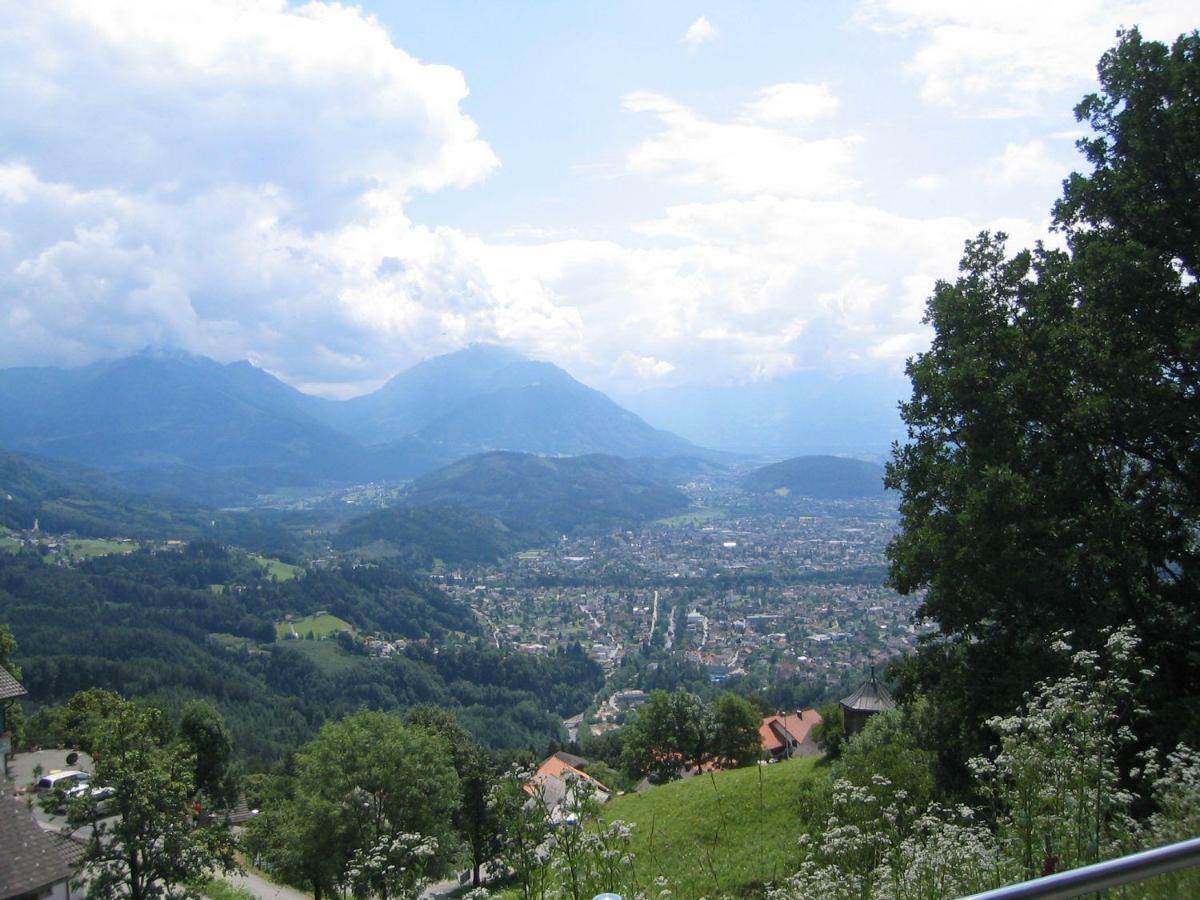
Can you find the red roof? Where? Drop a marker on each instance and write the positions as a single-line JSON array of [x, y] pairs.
[[776, 730]]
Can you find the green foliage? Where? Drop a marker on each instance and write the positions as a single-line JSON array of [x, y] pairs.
[[736, 741], [150, 848], [206, 735], [830, 733], [1057, 788], [13, 715], [1051, 477], [672, 732], [890, 746], [420, 535], [370, 792]]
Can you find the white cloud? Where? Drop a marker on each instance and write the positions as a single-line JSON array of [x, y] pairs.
[[745, 156], [236, 181], [223, 177], [1024, 163], [699, 32], [1016, 57], [791, 103], [178, 97], [930, 182]]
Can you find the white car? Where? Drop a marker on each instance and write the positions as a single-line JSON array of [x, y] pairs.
[[66, 778]]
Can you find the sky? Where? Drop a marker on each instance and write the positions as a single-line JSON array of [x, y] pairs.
[[648, 194]]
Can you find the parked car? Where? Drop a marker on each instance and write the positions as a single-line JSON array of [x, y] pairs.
[[100, 795], [64, 779]]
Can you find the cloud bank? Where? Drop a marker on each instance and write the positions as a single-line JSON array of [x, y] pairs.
[[235, 178]]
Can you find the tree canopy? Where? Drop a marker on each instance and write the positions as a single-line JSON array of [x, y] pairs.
[[1052, 475]]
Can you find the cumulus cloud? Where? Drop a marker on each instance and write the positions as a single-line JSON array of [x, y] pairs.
[[1016, 57], [207, 175], [699, 32], [748, 155], [791, 103], [1024, 163], [235, 179]]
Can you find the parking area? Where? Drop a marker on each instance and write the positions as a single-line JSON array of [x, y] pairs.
[[21, 769]]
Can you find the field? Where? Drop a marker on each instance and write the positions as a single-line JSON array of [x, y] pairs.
[[724, 834], [86, 549], [331, 659], [321, 626], [9, 545], [278, 570]]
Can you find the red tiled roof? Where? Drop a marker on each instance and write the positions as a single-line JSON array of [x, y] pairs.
[[775, 730]]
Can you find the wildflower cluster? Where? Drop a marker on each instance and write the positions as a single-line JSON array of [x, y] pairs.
[[394, 867], [1054, 782]]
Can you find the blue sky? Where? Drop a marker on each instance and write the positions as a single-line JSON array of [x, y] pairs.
[[649, 194]]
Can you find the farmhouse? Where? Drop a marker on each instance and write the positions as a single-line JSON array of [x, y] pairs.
[[790, 734], [557, 782]]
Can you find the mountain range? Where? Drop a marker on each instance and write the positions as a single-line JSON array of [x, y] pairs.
[[170, 422]]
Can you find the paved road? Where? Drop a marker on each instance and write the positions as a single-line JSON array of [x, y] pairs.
[[263, 889]]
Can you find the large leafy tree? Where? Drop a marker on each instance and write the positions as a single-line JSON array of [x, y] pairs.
[[736, 741], [1052, 475], [151, 846], [204, 731], [671, 732], [365, 786]]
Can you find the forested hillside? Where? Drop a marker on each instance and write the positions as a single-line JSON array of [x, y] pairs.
[[170, 625]]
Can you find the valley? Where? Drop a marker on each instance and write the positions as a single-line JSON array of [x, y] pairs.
[[576, 577]]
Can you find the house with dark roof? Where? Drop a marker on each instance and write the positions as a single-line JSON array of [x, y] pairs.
[[10, 691], [869, 700], [34, 864]]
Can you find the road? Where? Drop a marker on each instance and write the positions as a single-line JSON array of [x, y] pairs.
[[263, 889], [490, 624], [653, 619]]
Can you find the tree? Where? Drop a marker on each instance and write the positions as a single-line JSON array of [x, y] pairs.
[[736, 741], [671, 732], [151, 847], [12, 717], [1052, 476], [475, 818], [204, 731], [370, 792]]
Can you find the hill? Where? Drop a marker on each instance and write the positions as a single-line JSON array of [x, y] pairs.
[[63, 497], [721, 835], [419, 535], [536, 495], [823, 477]]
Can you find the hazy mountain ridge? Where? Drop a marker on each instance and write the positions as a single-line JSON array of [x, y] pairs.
[[168, 419], [823, 477]]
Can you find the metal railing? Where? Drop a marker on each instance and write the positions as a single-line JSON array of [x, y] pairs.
[[1102, 875]]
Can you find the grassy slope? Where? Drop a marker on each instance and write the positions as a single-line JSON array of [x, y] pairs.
[[724, 834], [321, 626], [277, 569]]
